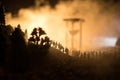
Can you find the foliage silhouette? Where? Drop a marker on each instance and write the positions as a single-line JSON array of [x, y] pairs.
[[2, 15], [41, 32], [36, 37], [45, 59], [19, 50], [3, 43], [9, 30]]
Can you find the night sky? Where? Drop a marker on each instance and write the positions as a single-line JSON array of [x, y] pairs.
[[14, 5]]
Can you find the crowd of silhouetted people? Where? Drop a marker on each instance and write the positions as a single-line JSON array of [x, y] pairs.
[[44, 59], [59, 46]]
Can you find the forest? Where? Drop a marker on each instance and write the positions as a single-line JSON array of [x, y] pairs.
[[40, 58]]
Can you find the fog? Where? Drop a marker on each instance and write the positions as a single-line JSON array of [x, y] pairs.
[[101, 21]]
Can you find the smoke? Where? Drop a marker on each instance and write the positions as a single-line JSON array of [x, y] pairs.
[[101, 19]]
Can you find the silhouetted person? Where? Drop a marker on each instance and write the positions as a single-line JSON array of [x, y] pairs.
[[47, 40], [118, 42], [67, 51], [60, 47]]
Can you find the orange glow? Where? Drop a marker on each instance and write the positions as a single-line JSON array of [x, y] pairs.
[[51, 20]]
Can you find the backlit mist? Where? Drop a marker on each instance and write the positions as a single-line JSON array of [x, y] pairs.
[[101, 26]]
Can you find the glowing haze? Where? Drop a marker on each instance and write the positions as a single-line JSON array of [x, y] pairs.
[[97, 24]]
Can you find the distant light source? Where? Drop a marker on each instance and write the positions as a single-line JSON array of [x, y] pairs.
[[110, 41], [104, 41]]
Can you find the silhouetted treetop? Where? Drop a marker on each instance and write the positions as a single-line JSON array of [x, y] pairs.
[[36, 36], [2, 15], [9, 30], [18, 36], [34, 32], [41, 32]]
